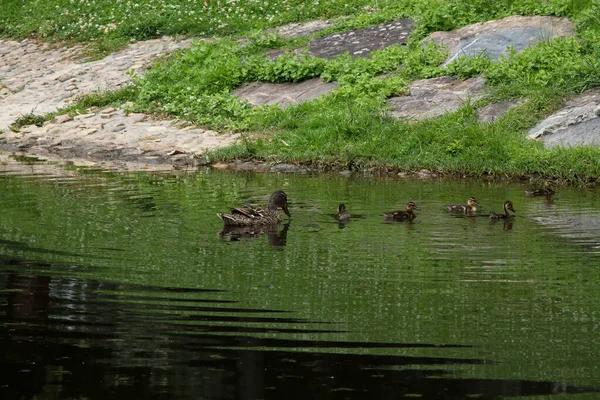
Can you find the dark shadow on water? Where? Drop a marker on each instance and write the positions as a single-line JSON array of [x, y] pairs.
[[72, 338]]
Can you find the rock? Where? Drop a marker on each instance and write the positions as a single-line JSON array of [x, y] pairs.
[[61, 119], [284, 94], [576, 124], [284, 168], [494, 37], [493, 111], [430, 98], [220, 166], [424, 173], [84, 116], [119, 127], [361, 42]]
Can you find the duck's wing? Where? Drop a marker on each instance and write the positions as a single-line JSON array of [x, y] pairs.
[[248, 211]]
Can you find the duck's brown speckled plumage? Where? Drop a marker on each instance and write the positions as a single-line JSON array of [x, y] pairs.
[[403, 215], [248, 216], [508, 205], [470, 207]]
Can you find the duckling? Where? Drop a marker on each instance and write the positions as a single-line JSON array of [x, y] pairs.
[[342, 214], [547, 190], [406, 215], [470, 207], [248, 216], [508, 205]]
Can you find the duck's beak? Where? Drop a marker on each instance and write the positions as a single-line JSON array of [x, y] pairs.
[[418, 208], [286, 211]]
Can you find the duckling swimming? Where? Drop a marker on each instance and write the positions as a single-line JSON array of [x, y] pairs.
[[403, 215], [508, 205], [470, 207], [547, 190], [248, 216], [342, 214]]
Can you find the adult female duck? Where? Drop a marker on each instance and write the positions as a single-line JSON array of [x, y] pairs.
[[248, 216]]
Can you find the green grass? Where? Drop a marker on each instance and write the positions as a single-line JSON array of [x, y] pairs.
[[351, 127], [87, 20]]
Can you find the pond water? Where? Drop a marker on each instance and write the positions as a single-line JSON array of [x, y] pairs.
[[118, 285]]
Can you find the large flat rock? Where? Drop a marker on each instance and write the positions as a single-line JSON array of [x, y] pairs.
[[576, 124], [494, 37], [429, 98], [361, 42], [284, 94]]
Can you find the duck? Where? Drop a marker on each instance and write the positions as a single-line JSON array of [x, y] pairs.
[[471, 206], [248, 216], [342, 214], [403, 215], [547, 190], [508, 205]]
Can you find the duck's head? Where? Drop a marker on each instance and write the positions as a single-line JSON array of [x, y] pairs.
[[548, 184], [279, 199], [508, 205], [341, 208], [472, 202], [411, 206]]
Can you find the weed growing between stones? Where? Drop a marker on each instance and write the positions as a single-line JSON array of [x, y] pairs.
[[27, 119]]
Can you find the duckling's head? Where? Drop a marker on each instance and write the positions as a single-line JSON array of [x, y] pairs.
[[472, 202], [341, 208], [279, 199], [549, 184], [508, 205], [411, 206]]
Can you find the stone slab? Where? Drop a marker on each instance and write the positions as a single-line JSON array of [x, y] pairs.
[[361, 42], [492, 112], [576, 124], [429, 98], [494, 37], [284, 94]]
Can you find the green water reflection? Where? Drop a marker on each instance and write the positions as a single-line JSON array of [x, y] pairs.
[[522, 298]]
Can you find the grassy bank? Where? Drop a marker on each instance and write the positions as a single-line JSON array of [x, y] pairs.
[[351, 127]]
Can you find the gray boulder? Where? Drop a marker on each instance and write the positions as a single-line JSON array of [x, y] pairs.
[[494, 37], [429, 98], [576, 124]]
